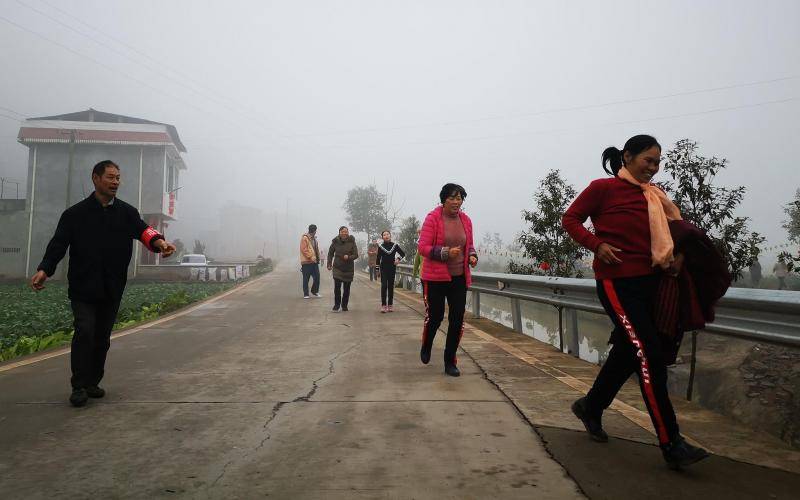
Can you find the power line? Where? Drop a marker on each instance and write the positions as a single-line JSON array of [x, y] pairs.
[[112, 69], [137, 51], [99, 63], [208, 96], [368, 130], [551, 131], [12, 111], [112, 49], [550, 111]]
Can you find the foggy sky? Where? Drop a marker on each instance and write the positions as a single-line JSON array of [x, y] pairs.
[[301, 101]]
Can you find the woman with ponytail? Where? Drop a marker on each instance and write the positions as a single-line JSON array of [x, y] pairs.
[[633, 249]]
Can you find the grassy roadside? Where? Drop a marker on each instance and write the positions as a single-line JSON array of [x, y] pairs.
[[31, 322]]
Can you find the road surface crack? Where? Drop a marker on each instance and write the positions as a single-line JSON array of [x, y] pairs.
[[331, 369], [276, 409], [305, 398], [222, 473]]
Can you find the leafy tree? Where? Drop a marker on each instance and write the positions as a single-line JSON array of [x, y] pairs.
[[366, 211], [199, 247], [520, 268], [407, 238], [710, 207], [545, 241], [792, 226], [492, 242]]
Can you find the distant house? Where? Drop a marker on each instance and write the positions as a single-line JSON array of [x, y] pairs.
[[62, 151]]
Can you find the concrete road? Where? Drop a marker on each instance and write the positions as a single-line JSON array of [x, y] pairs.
[[262, 394]]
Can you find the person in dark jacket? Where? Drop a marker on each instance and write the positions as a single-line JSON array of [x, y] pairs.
[[386, 261], [99, 232], [633, 248], [755, 273], [341, 260]]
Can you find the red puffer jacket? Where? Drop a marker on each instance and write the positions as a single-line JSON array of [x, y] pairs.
[[431, 242]]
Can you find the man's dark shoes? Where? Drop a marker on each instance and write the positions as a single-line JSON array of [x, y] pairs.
[[78, 398], [425, 354], [593, 424], [335, 309], [95, 391], [452, 370], [344, 309], [678, 453]]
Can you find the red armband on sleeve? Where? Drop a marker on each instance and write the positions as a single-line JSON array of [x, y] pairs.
[[148, 235]]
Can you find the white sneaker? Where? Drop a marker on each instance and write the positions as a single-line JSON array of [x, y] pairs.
[[317, 295], [306, 297]]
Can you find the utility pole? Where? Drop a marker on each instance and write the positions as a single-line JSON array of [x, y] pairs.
[[69, 185], [69, 167], [277, 240], [288, 236]]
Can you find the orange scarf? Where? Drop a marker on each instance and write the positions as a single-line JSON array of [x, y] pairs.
[[660, 210]]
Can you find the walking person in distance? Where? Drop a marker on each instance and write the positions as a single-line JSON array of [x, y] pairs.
[[341, 260], [372, 256], [309, 261], [389, 255]]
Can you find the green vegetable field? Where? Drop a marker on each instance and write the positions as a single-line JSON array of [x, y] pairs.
[[31, 321]]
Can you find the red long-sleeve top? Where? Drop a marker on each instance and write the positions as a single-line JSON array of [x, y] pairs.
[[618, 210]]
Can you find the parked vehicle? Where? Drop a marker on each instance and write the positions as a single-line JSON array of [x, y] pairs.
[[194, 259]]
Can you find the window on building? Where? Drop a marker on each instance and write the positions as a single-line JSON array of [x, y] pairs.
[[171, 177]]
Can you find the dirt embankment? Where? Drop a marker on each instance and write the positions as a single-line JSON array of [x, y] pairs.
[[756, 384]]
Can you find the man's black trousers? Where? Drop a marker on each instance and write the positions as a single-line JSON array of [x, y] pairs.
[[629, 302], [310, 271], [340, 299], [92, 338], [387, 285], [435, 293]]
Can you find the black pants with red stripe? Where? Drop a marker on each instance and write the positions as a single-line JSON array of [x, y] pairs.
[[435, 293], [637, 348]]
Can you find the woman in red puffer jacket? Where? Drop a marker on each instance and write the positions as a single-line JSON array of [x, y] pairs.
[[448, 252]]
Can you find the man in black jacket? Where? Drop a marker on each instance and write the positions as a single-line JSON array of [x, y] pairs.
[[99, 232]]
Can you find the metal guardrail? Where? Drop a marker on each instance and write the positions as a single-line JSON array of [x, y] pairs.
[[771, 316], [211, 264], [215, 271], [768, 316]]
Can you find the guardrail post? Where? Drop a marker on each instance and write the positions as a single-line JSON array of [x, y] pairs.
[[572, 337], [692, 367], [516, 315], [476, 304]]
